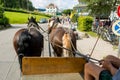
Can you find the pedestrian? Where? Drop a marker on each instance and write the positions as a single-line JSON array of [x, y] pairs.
[[97, 25], [109, 69]]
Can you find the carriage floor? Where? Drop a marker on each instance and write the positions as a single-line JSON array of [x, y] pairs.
[[65, 76]]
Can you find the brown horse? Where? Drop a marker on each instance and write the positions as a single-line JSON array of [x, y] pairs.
[[58, 37], [28, 43]]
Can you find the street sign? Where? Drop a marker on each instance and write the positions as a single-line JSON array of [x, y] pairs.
[[118, 10], [116, 28]]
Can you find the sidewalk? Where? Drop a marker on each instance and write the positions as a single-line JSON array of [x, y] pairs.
[[85, 46], [101, 50]]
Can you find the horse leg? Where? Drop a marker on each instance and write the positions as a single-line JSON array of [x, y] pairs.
[[54, 53], [54, 50], [57, 51]]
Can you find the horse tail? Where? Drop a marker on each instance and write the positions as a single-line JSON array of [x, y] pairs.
[[23, 46], [20, 56], [66, 40]]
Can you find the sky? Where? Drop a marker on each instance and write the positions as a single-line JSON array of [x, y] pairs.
[[61, 4]]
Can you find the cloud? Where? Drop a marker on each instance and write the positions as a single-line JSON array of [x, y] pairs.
[[64, 4]]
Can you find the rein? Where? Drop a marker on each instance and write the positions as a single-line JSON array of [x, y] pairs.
[[42, 29], [49, 46], [88, 58], [30, 24], [94, 45]]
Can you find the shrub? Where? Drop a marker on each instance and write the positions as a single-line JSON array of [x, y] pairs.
[[1, 11], [85, 23], [4, 21]]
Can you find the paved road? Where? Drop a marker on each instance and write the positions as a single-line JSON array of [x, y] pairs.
[[8, 60], [102, 49], [9, 67]]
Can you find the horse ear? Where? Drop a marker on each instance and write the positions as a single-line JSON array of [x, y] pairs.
[[58, 20]]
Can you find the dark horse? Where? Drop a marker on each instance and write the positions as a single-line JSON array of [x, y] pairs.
[[28, 43], [61, 38]]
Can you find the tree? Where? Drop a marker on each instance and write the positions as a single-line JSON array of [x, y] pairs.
[[24, 4], [101, 8], [67, 11]]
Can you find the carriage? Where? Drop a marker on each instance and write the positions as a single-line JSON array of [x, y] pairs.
[[47, 65]]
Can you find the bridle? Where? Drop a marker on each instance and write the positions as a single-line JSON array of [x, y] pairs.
[[30, 24]]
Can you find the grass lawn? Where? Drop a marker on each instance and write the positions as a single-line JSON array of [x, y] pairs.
[[93, 34], [20, 18]]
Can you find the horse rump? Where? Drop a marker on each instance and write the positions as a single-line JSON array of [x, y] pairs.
[[27, 43]]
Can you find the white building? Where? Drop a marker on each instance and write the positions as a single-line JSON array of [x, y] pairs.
[[51, 9], [81, 9]]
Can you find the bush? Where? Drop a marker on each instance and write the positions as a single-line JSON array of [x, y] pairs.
[[85, 23], [4, 21]]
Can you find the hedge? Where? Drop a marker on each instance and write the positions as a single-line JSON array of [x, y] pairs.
[[4, 21], [85, 23]]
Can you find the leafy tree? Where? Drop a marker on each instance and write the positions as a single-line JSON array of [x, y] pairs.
[[101, 8], [24, 4], [67, 11]]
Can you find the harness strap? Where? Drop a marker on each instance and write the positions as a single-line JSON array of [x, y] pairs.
[[94, 46], [78, 53], [38, 27]]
